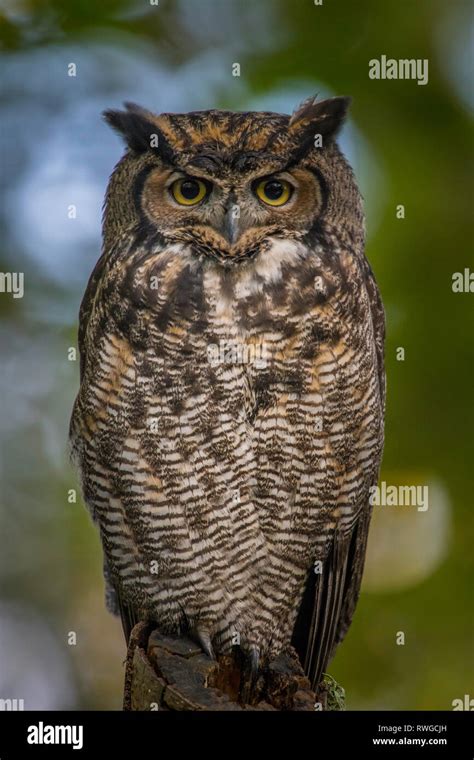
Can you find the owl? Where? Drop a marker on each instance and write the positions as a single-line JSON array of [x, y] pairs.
[[229, 423]]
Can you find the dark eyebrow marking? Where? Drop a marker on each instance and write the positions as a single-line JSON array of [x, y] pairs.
[[246, 161], [218, 161], [254, 160], [206, 161]]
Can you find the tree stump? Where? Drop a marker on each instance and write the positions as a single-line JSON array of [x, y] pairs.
[[167, 673]]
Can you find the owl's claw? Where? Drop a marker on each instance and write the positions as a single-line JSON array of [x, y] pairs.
[[204, 640], [254, 662], [252, 672]]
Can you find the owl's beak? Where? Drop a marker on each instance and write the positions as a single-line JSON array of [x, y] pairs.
[[230, 228]]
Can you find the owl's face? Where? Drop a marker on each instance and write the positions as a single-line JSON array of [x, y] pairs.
[[227, 182]]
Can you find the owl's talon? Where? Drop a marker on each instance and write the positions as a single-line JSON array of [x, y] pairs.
[[254, 662], [250, 674], [203, 638]]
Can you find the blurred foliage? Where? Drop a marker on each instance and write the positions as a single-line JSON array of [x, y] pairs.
[[420, 140]]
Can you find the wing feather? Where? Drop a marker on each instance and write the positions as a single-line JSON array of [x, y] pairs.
[[330, 597]]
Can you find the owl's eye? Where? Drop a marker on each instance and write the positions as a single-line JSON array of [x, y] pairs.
[[273, 192], [188, 192]]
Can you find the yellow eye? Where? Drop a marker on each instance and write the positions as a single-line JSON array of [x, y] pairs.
[[188, 192], [273, 192]]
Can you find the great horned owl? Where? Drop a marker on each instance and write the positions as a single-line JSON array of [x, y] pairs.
[[229, 422]]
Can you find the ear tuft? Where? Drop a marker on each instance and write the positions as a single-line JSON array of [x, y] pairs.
[[135, 125], [324, 117], [300, 111]]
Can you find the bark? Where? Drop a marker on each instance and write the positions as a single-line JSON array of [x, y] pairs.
[[165, 673]]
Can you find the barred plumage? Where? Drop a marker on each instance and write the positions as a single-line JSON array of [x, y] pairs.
[[229, 422]]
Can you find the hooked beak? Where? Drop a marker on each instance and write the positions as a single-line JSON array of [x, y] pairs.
[[230, 225]]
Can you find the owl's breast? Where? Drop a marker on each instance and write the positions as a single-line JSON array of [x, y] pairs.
[[265, 327]]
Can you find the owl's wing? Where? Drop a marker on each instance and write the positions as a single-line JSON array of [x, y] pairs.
[[116, 604], [128, 616], [86, 307], [331, 596], [329, 600], [378, 324], [114, 600]]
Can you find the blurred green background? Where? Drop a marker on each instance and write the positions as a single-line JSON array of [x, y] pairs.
[[409, 144]]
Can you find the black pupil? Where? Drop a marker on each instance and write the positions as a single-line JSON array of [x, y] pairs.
[[189, 189], [273, 190]]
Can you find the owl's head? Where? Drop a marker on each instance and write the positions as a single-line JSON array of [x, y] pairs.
[[226, 183]]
